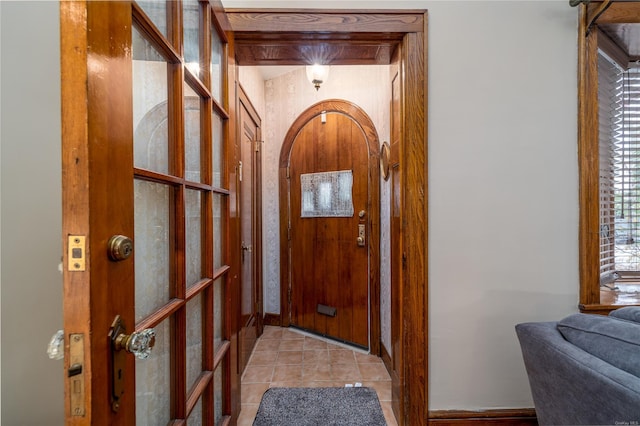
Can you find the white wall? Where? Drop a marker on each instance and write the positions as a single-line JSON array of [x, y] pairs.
[[503, 186], [503, 219], [32, 386]]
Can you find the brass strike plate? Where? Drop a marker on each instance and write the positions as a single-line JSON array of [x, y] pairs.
[[76, 375], [77, 253]]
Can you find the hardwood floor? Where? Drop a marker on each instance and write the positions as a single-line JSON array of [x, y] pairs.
[[287, 357]]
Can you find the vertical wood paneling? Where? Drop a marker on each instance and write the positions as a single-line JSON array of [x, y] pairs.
[[588, 155], [75, 177], [397, 276], [414, 217], [96, 134]]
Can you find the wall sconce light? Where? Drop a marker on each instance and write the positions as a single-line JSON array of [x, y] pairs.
[[317, 74]]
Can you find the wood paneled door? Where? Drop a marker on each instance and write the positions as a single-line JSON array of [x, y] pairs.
[[146, 208], [250, 212], [329, 193]]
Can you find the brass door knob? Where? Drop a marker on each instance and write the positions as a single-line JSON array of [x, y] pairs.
[[119, 247]]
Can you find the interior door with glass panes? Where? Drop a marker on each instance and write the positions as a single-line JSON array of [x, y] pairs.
[[146, 212]]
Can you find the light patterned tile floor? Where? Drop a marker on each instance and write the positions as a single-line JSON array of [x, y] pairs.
[[285, 357]]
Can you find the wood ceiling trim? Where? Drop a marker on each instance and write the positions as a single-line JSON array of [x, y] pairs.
[[619, 13], [298, 37], [333, 37], [305, 54], [333, 21]]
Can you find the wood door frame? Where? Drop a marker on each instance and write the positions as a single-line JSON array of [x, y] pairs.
[[361, 118], [279, 34], [256, 221]]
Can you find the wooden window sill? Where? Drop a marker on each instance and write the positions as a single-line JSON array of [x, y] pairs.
[[623, 294]]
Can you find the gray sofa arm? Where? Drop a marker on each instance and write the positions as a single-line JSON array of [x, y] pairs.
[[572, 387]]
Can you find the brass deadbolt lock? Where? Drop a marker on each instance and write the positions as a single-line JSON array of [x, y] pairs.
[[120, 247]]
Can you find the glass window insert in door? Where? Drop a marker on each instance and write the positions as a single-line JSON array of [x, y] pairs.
[[191, 33], [195, 418], [218, 150], [192, 137], [217, 51], [153, 376], [150, 106], [218, 332], [193, 235], [217, 386], [152, 220], [156, 10], [181, 208], [218, 226], [194, 340]]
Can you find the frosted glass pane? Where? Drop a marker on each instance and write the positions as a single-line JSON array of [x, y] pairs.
[[151, 135], [151, 246], [218, 294], [327, 194], [153, 381], [218, 237], [216, 65], [195, 418], [191, 27], [194, 340], [156, 10], [192, 143], [218, 150], [193, 212], [217, 394]]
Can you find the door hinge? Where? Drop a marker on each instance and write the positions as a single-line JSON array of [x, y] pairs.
[[289, 233], [289, 295], [288, 172], [258, 145]]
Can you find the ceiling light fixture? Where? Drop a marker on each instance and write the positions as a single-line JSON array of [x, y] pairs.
[[317, 74]]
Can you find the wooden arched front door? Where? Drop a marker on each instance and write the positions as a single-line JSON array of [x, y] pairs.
[[330, 204]]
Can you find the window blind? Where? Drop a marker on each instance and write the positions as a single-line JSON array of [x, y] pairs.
[[619, 151], [627, 179], [610, 98]]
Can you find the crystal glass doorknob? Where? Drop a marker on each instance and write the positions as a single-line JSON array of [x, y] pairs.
[[55, 349], [139, 343]]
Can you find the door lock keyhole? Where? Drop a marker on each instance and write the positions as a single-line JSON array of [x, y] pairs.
[[119, 247]]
